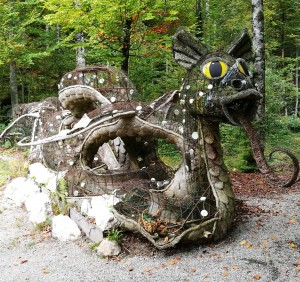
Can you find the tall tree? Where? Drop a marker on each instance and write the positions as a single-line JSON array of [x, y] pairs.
[[199, 20], [259, 53]]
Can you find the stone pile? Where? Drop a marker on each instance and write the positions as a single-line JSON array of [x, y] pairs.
[[36, 193]]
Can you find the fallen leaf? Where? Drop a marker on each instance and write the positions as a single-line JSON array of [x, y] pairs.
[[292, 245], [249, 246], [225, 273], [235, 267], [243, 242], [130, 269], [172, 262], [193, 270], [257, 277], [24, 261], [178, 259], [264, 247], [45, 271], [292, 221], [147, 270], [116, 258], [259, 223], [166, 240]]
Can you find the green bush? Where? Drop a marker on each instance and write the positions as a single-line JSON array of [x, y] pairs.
[[169, 154], [290, 122], [237, 149]]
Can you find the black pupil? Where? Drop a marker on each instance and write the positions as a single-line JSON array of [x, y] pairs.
[[215, 69]]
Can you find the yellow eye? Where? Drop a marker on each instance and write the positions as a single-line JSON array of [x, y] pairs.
[[242, 67], [214, 69]]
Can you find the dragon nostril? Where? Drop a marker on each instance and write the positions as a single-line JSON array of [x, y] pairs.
[[238, 84]]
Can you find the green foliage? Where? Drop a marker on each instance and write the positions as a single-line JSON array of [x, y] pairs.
[[169, 154], [114, 235], [44, 226], [237, 149], [59, 200], [40, 37], [291, 123], [94, 246], [12, 167]]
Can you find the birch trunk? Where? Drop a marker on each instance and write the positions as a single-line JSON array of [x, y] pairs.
[[13, 86], [259, 53]]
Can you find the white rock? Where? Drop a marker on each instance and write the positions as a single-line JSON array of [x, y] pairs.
[[40, 173], [85, 207], [52, 184], [101, 210], [39, 207], [108, 248], [64, 228], [19, 190], [54, 180]]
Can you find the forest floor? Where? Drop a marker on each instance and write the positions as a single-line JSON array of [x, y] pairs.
[[262, 245]]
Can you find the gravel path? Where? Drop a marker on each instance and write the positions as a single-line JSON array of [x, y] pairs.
[[262, 248]]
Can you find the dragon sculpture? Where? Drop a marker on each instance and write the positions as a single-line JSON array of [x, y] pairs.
[[107, 143]]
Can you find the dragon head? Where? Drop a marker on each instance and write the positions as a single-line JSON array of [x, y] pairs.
[[218, 85]]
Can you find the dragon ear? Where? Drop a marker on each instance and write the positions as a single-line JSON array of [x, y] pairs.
[[241, 47], [186, 49]]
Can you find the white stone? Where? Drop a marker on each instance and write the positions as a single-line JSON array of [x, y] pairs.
[[39, 207], [108, 248], [64, 228], [101, 211], [85, 207], [40, 173], [54, 180], [52, 184], [19, 190]]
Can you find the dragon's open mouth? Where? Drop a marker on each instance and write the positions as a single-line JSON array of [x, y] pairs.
[[241, 104]]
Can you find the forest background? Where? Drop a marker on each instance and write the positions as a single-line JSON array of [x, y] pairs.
[[41, 40]]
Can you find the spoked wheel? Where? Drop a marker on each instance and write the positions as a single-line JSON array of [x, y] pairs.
[[285, 166]]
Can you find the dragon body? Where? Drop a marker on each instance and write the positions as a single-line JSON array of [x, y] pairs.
[[107, 144]]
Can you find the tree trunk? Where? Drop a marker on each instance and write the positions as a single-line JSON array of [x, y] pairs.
[[297, 82], [259, 56], [126, 45], [259, 52], [199, 20], [13, 86], [80, 51]]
